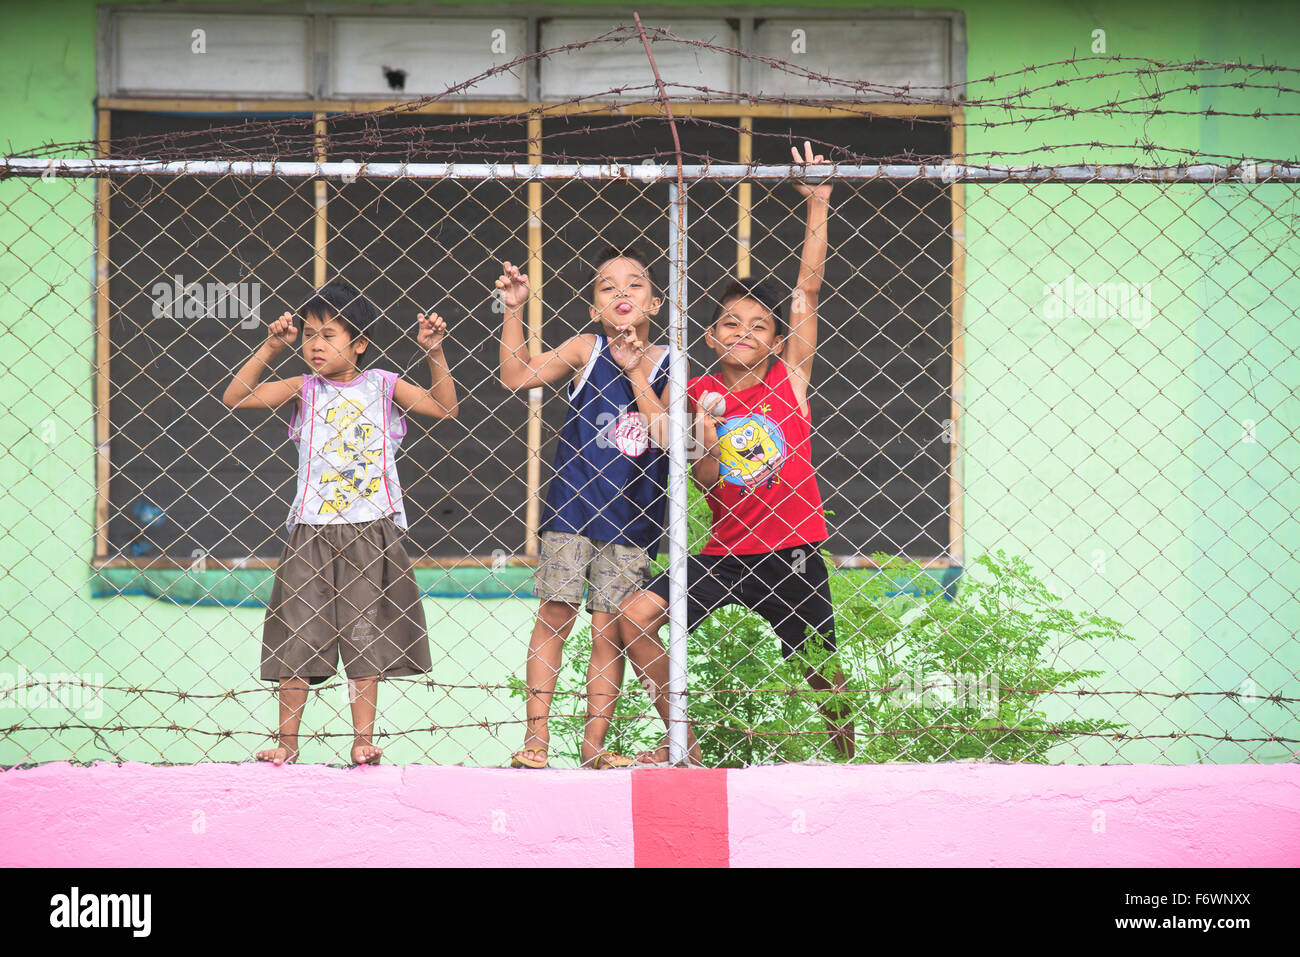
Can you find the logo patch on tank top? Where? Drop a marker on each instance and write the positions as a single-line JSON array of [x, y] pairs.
[[629, 434]]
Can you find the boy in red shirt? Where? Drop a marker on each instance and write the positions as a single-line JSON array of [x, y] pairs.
[[754, 428]]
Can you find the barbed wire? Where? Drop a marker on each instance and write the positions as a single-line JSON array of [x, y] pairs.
[[298, 137], [801, 693], [810, 732]]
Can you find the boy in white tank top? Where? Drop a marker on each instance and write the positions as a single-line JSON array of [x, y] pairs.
[[344, 581]]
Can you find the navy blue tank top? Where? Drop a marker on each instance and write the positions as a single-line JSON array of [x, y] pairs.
[[609, 479]]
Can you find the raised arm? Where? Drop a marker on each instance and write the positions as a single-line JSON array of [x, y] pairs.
[[519, 369], [801, 341], [244, 390], [439, 400]]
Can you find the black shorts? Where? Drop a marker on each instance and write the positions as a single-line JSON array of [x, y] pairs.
[[789, 587]]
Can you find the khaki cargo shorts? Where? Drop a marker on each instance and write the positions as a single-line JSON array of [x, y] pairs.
[[569, 563]]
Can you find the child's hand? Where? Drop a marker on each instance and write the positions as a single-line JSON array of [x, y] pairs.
[[627, 349], [821, 190], [432, 331], [513, 285], [281, 335]]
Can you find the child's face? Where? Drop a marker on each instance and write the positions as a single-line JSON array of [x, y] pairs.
[[744, 335], [623, 296], [328, 347]]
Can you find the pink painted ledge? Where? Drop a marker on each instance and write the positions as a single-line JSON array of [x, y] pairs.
[[978, 815], [239, 815], [217, 815]]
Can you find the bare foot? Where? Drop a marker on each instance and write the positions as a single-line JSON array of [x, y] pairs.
[[278, 755], [843, 742], [841, 735], [366, 754], [658, 756]]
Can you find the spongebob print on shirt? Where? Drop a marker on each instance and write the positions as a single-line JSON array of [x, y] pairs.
[[752, 450], [356, 470]]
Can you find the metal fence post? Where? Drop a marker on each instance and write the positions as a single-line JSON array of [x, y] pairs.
[[677, 544]]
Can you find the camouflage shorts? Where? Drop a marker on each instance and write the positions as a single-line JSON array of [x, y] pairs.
[[569, 563]]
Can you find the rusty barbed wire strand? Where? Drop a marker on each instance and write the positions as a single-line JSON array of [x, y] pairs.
[[813, 732], [778, 692], [303, 142]]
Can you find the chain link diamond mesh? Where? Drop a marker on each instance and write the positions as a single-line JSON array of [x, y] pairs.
[[1052, 424]]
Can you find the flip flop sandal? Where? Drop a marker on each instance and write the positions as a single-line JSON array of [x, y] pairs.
[[521, 759], [608, 760]]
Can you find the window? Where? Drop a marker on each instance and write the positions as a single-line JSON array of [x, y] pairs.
[[223, 479]]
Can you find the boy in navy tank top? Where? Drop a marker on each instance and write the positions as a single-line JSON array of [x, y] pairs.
[[754, 430], [604, 509]]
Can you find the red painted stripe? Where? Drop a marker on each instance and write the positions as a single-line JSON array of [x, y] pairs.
[[679, 817]]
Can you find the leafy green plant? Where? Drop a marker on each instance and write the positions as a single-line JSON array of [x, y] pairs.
[[968, 678]]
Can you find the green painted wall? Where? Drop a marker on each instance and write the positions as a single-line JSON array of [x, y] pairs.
[[1170, 523]]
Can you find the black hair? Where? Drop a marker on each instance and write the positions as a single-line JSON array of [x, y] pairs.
[[355, 312], [757, 290], [632, 252]]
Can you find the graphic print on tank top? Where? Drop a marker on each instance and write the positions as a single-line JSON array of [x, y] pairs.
[[356, 469], [751, 450], [348, 434]]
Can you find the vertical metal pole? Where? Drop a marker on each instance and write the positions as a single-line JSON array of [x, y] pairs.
[[677, 545]]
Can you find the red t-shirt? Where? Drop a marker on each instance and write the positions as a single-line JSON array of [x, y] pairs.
[[767, 496]]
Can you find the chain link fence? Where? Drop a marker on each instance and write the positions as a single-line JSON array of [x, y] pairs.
[[1052, 426]]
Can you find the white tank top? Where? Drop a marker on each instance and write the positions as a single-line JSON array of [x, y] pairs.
[[348, 434]]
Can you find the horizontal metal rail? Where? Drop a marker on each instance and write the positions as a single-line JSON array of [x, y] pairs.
[[1246, 172]]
